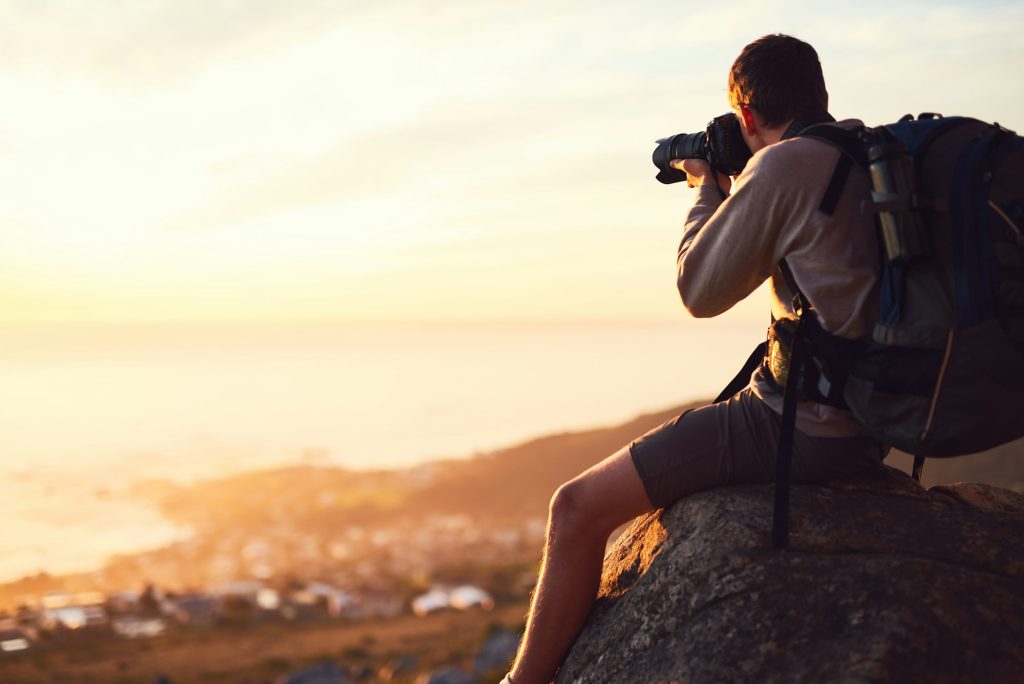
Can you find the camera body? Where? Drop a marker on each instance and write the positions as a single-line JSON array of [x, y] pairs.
[[721, 144]]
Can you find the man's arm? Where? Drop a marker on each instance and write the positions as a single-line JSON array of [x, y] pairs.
[[730, 246]]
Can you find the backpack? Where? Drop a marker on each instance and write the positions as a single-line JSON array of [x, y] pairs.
[[943, 371]]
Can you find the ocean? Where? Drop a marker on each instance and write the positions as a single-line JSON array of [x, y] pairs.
[[87, 410]]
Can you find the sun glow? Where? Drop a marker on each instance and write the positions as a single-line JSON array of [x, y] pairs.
[[387, 162]]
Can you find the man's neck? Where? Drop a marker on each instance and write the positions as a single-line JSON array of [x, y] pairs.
[[774, 135]]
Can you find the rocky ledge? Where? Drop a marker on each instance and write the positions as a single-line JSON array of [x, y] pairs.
[[884, 582]]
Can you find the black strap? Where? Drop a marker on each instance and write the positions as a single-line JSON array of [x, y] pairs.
[[787, 428], [799, 300], [742, 378], [835, 185], [722, 194], [804, 121], [851, 152], [847, 141]]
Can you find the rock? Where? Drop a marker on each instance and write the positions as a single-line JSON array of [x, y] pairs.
[[497, 652], [983, 496], [883, 582], [324, 673]]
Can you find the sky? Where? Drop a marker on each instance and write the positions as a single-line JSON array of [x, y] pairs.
[[217, 160]]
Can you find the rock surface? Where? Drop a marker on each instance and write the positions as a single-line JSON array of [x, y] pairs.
[[883, 582]]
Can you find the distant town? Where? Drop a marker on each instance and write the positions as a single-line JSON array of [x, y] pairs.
[[294, 546]]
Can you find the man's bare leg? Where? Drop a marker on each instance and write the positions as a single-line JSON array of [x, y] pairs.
[[584, 512]]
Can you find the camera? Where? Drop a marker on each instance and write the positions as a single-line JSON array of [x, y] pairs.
[[721, 145]]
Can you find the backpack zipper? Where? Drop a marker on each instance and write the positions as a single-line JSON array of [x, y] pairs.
[[938, 386]]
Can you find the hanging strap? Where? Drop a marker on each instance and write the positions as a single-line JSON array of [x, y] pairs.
[[742, 378], [787, 428]]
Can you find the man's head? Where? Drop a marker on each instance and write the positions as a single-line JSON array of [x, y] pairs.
[[774, 80]]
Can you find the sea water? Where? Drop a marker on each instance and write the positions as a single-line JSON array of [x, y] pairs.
[[87, 410]]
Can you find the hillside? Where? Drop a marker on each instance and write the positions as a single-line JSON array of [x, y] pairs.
[[518, 481], [318, 521], [506, 485], [509, 484]]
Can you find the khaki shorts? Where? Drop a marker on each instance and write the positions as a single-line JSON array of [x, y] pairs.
[[734, 442]]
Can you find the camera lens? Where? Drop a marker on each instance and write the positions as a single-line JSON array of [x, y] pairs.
[[691, 146], [679, 146]]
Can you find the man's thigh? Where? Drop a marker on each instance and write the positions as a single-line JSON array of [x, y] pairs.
[[735, 442]]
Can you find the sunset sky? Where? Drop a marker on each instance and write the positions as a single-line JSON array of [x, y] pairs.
[[215, 160]]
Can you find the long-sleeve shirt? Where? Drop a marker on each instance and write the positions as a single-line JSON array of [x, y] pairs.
[[730, 247]]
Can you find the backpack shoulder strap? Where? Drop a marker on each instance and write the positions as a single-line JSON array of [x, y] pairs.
[[848, 141], [852, 152]]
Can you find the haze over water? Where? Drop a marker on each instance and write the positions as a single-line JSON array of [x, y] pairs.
[[86, 410]]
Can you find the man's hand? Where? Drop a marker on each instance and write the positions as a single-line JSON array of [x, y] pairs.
[[698, 172]]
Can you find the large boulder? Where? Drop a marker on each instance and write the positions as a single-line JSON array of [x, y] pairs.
[[883, 582]]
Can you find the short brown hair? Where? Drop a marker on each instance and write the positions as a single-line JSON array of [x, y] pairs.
[[779, 76]]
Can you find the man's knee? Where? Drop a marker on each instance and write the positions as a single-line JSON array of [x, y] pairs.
[[594, 503], [566, 509], [574, 513]]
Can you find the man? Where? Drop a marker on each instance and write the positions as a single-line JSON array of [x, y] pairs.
[[729, 247]]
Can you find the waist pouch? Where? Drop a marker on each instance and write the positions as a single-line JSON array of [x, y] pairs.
[[779, 351], [827, 358]]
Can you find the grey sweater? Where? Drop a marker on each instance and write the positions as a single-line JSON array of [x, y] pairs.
[[730, 247]]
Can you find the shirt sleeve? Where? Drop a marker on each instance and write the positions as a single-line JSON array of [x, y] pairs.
[[731, 246]]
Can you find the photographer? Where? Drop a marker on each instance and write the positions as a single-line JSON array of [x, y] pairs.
[[785, 204]]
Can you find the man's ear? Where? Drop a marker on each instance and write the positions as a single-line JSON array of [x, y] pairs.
[[749, 121]]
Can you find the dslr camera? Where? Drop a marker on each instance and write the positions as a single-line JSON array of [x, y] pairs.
[[721, 144]]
